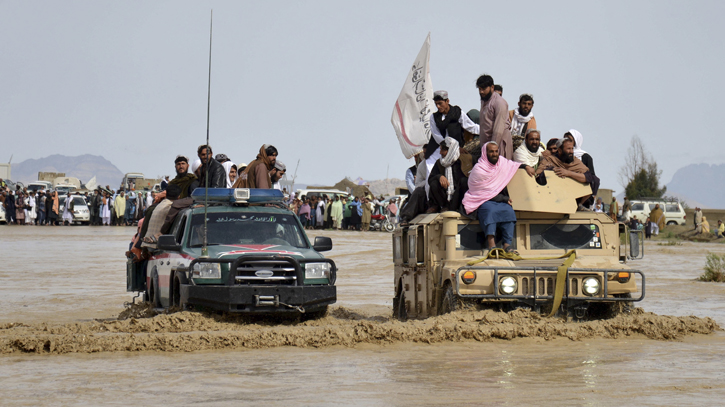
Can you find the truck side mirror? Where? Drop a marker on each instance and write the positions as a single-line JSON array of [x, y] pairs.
[[168, 242], [322, 244]]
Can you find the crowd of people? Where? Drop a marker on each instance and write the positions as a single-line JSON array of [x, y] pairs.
[[343, 212], [126, 206], [448, 176]]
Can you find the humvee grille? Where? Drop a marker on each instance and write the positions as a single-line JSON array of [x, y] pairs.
[[545, 286]]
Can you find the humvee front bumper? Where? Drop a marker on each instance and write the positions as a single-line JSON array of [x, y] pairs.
[[259, 299], [536, 285]]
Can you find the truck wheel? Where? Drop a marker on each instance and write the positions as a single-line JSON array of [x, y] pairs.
[[399, 311], [155, 293], [176, 294], [449, 302], [672, 222]]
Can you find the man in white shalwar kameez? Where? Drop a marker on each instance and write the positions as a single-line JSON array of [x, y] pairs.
[[106, 209], [32, 210], [67, 211]]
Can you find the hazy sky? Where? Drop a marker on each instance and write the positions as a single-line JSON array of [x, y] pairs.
[[318, 79]]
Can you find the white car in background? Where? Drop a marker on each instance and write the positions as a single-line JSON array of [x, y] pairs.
[[3, 219], [674, 212], [331, 193], [81, 214]]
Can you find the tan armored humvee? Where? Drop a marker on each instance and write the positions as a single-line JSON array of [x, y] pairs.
[[439, 264]]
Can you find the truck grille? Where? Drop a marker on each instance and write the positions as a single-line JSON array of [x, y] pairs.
[[266, 272]]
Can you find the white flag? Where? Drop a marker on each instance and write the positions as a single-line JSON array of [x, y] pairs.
[[413, 108]]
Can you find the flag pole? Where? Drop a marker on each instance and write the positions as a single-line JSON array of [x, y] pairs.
[[204, 248]]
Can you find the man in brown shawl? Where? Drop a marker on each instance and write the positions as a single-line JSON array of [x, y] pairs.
[[658, 218], [185, 180], [565, 165], [256, 175]]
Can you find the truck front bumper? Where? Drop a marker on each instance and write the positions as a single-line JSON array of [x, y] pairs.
[[259, 299]]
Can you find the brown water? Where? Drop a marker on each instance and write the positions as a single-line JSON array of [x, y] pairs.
[[55, 281]]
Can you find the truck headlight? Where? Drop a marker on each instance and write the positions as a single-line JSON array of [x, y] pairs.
[[317, 270], [207, 270], [591, 286], [508, 285]]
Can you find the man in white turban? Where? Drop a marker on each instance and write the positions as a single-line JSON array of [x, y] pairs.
[[530, 151]]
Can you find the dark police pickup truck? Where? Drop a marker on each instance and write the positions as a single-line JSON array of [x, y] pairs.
[[259, 258]]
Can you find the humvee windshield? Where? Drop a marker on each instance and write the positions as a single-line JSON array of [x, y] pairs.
[[247, 228], [546, 237]]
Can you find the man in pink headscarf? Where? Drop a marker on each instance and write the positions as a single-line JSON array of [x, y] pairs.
[[488, 196]]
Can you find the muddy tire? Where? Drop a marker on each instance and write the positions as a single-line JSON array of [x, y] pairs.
[[399, 311], [449, 302], [610, 310], [176, 292], [622, 307], [155, 294]]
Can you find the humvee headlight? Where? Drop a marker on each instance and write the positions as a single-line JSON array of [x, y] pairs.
[[207, 270], [591, 286], [469, 277], [317, 270], [507, 285]]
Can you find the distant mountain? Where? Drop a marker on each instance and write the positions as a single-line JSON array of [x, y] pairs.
[[700, 183], [83, 167]]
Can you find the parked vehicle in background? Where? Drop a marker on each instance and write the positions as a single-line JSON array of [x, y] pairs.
[[331, 193], [139, 182], [81, 214], [63, 189], [3, 219], [36, 185], [674, 212]]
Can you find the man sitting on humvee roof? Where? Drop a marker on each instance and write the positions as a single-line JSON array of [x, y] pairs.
[[565, 165], [488, 196]]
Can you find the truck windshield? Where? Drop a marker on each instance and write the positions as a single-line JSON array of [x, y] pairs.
[[247, 228], [547, 237]]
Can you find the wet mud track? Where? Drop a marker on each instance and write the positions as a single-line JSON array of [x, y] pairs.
[[191, 331]]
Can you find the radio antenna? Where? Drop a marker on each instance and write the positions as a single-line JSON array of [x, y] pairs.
[[204, 248]]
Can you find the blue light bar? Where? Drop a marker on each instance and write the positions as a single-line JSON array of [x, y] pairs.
[[238, 195]]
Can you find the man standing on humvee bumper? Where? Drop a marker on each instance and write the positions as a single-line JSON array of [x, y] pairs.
[[488, 196]]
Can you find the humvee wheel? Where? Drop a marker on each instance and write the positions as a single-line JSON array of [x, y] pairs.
[[610, 310], [449, 302], [399, 311]]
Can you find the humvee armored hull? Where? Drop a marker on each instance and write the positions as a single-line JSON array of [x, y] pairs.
[[439, 264]]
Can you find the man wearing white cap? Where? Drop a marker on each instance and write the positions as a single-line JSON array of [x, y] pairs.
[[277, 173], [448, 121]]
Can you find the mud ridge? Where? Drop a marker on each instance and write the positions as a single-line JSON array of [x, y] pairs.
[[190, 331]]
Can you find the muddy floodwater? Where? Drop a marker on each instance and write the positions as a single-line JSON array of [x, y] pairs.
[[61, 343]]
